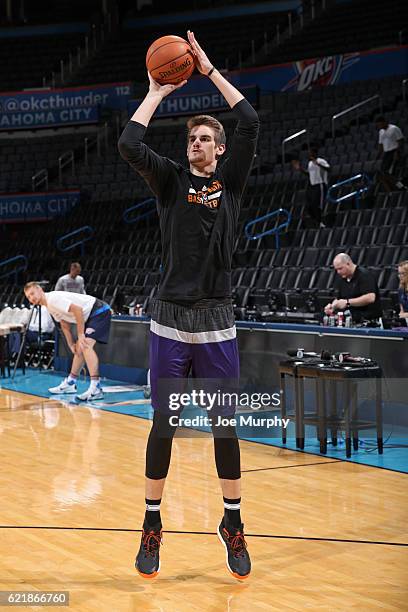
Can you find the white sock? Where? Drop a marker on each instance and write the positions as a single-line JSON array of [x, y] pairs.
[[95, 382], [71, 379]]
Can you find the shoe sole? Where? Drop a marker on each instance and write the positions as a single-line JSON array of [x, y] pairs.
[[89, 399], [237, 576], [148, 576], [62, 392]]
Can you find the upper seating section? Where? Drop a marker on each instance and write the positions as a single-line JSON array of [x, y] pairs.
[[25, 61], [346, 27], [35, 12], [227, 42]]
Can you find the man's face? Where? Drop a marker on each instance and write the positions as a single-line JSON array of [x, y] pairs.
[[202, 149], [34, 295], [381, 125], [74, 271], [343, 269]]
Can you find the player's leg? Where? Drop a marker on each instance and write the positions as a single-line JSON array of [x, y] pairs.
[[216, 364], [96, 330], [94, 390], [169, 360], [69, 384]]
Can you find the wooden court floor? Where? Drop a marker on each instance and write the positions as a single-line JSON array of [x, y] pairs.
[[323, 534]]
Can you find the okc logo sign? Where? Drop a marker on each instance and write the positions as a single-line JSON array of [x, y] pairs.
[[320, 72]]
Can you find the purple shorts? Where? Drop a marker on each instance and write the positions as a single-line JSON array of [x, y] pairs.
[[200, 342]]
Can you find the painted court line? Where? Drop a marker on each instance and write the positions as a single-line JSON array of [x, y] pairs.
[[209, 533], [283, 467]]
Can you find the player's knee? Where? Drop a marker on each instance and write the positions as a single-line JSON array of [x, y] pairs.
[[88, 348], [227, 458], [158, 450]]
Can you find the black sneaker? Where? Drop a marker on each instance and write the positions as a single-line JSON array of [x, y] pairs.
[[237, 557], [147, 561]]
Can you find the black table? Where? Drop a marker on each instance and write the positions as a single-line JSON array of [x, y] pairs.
[[330, 372]]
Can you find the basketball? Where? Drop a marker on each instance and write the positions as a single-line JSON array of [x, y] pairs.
[[170, 60]]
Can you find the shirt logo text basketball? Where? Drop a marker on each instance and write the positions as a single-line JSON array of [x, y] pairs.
[[208, 196]]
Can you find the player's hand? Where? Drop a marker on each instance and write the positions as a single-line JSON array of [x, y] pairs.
[[296, 164], [202, 62], [81, 344], [162, 91]]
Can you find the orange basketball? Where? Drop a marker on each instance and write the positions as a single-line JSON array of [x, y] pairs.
[[170, 59]]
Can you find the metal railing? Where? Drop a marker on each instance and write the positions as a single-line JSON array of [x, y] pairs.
[[288, 139], [77, 56], [39, 178], [65, 160], [273, 231], [127, 214], [90, 143], [19, 268], [355, 107], [88, 232], [364, 182]]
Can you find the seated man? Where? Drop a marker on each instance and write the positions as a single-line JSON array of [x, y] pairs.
[[32, 335], [92, 317], [356, 290]]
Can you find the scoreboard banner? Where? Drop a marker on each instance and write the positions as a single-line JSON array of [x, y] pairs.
[[23, 207], [195, 104], [306, 74], [25, 120], [109, 95]]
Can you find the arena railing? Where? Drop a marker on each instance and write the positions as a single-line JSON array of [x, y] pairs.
[[127, 214], [88, 232], [365, 182], [64, 160], [40, 178], [101, 136], [350, 109], [288, 139], [273, 231], [16, 270], [77, 57]]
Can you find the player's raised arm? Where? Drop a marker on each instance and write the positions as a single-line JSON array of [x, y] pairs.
[[204, 65], [152, 100]]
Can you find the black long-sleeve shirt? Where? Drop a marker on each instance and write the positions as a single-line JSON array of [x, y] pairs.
[[198, 215]]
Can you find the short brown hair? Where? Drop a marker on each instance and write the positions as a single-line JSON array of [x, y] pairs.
[[30, 284], [212, 122], [404, 280], [75, 264]]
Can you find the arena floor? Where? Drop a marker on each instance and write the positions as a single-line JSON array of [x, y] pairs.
[[323, 533]]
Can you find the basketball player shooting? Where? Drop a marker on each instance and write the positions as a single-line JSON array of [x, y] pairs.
[[192, 319]]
